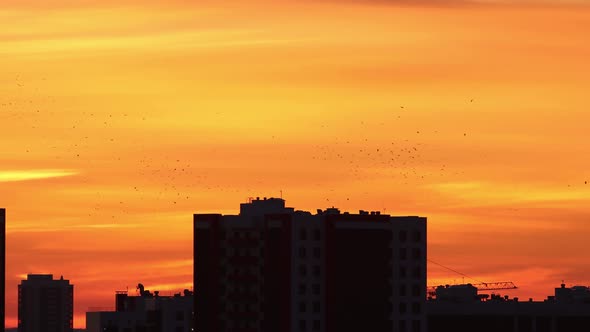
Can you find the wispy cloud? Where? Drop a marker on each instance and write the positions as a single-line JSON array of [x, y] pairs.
[[94, 226], [170, 286], [194, 40], [34, 174], [505, 192], [39, 228]]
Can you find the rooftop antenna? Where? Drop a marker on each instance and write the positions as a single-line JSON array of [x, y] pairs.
[[281, 194]]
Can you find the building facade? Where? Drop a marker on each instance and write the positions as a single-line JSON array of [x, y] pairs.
[[45, 304], [459, 308], [272, 268], [144, 313]]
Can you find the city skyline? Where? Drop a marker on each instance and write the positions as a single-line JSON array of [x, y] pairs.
[[124, 118], [309, 266]]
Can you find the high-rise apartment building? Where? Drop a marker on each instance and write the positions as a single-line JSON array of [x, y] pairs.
[[45, 304], [272, 268]]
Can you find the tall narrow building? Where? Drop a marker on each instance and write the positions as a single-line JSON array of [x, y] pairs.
[[3, 268], [272, 268], [45, 304]]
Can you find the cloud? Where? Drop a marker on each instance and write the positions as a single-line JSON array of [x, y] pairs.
[[37, 228], [36, 174], [510, 192]]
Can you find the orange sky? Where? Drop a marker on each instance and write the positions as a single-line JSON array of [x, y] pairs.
[[123, 118]]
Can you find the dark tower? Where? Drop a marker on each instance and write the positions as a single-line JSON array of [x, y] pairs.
[[272, 268], [45, 304], [2, 266]]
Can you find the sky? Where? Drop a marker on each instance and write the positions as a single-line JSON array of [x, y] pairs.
[[123, 118]]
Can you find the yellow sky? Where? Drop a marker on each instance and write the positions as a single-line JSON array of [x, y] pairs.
[[121, 119]]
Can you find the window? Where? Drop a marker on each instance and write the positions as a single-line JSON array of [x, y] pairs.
[[416, 253], [416, 272], [402, 326], [316, 289], [316, 325], [402, 308], [180, 315], [416, 308], [316, 270], [303, 234], [302, 252], [403, 236], [402, 272], [302, 325], [417, 236], [316, 252], [403, 254], [178, 329], [416, 326], [302, 270], [402, 290], [316, 306], [416, 290], [302, 289], [302, 307], [316, 234]]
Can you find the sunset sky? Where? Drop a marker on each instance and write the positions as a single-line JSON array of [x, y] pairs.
[[123, 118]]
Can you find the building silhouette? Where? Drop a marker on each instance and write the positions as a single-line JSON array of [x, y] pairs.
[[45, 304], [272, 268], [460, 308], [144, 313], [3, 268]]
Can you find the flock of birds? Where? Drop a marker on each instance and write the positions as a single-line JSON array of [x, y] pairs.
[[104, 143]]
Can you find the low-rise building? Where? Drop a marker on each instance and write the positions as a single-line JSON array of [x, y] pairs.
[[460, 309], [144, 313]]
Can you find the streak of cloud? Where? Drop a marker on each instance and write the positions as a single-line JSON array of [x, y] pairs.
[[35, 174]]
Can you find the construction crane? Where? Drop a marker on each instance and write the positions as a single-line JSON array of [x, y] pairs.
[[483, 286], [480, 285]]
